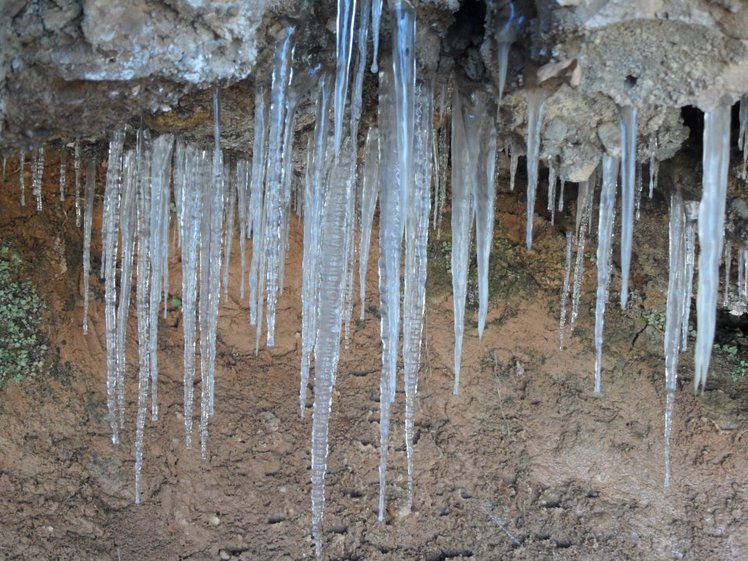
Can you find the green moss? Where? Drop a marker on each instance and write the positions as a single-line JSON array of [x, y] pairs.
[[22, 346]]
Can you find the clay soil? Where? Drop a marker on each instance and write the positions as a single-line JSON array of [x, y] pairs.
[[524, 464]]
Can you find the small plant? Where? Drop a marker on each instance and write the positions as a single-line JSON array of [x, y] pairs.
[[655, 319], [738, 365], [22, 348]]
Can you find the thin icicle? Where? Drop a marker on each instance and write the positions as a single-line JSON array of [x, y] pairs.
[[692, 214], [368, 206], [37, 174], [110, 229], [128, 210], [653, 164], [513, 165], [711, 224], [242, 193], [77, 168], [313, 204], [22, 177], [346, 16], [464, 150], [416, 255], [256, 197], [639, 187], [551, 206], [584, 210], [327, 349], [628, 190], [230, 218], [604, 250], [358, 82], [376, 18], [535, 104], [561, 195], [674, 316], [274, 210], [63, 172], [87, 228], [727, 260], [567, 286]]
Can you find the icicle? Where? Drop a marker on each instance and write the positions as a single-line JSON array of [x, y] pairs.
[[445, 112], [77, 167], [143, 297], [37, 174], [63, 172], [628, 187], [503, 63], [368, 206], [210, 277], [327, 348], [128, 208], [584, 210], [653, 163], [727, 259], [350, 249], [561, 195], [242, 193], [344, 48], [274, 210], [484, 200], [358, 81], [256, 197], [192, 175], [535, 103], [551, 207], [230, 208], [376, 18], [110, 228], [566, 287], [711, 224], [22, 177], [160, 166], [87, 227], [313, 204], [639, 187], [604, 250], [503, 21], [673, 317], [692, 214], [513, 165], [416, 255], [464, 145]]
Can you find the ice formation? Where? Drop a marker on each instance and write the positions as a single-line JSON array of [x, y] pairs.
[[344, 48], [628, 187], [535, 101], [711, 222]]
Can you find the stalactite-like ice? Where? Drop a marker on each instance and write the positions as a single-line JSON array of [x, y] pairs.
[[551, 207], [674, 316], [464, 167], [63, 172], [364, 20], [535, 104], [566, 287], [368, 206], [376, 18], [110, 229], [274, 209], [313, 201], [628, 189], [37, 174], [484, 200], [344, 49], [242, 193], [727, 260], [561, 195], [584, 211], [158, 248], [230, 209], [128, 214], [604, 249], [711, 224], [692, 215], [77, 168], [327, 349], [416, 255], [87, 228], [513, 165], [390, 248], [192, 175], [256, 199]]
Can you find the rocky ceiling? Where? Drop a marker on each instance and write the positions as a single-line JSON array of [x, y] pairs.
[[76, 68]]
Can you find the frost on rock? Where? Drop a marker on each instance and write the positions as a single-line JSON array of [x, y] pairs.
[[716, 162]]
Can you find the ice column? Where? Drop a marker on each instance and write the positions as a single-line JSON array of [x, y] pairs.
[[716, 163], [628, 187], [535, 102]]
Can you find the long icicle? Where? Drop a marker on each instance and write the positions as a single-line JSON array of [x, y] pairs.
[[716, 163], [673, 318], [344, 49], [628, 193], [87, 229], [535, 104], [368, 206], [604, 247]]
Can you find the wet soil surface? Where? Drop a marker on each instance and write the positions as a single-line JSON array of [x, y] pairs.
[[524, 464]]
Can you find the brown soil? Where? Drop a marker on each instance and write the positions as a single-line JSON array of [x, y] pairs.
[[525, 464]]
